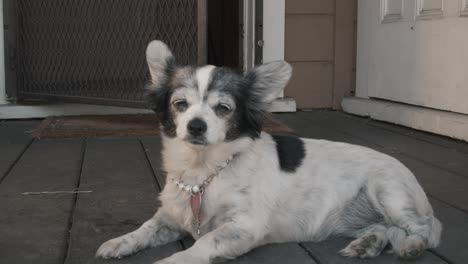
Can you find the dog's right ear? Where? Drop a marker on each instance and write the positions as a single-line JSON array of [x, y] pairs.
[[159, 59], [160, 63]]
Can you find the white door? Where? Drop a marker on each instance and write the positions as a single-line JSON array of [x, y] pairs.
[[414, 52]]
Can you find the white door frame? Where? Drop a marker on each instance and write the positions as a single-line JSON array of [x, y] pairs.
[[248, 35], [272, 41], [273, 31]]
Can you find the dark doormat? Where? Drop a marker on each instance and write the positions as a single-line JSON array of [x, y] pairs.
[[91, 126]]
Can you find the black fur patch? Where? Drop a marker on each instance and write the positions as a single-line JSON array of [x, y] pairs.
[[158, 96], [290, 151], [247, 119], [159, 100]]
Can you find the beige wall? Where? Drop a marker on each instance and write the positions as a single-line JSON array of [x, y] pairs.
[[320, 38]]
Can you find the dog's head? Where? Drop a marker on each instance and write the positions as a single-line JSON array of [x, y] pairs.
[[208, 105]]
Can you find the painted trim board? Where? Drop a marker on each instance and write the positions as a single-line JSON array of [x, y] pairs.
[[445, 123]]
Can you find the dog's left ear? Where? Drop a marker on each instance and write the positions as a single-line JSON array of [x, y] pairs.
[[160, 63], [268, 81], [159, 59]]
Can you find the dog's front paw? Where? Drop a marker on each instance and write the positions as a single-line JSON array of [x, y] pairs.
[[368, 246], [115, 248]]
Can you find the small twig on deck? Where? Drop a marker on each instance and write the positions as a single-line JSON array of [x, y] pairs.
[[56, 192]]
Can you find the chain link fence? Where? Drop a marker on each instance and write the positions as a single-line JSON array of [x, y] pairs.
[[93, 51]]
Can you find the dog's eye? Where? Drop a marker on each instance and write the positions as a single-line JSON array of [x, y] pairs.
[[223, 108], [180, 105]]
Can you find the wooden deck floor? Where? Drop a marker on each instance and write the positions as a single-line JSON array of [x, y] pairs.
[[124, 176]]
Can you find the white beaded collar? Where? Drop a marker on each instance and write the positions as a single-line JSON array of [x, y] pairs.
[[200, 188], [196, 192]]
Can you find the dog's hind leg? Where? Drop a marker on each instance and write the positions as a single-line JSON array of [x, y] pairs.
[[412, 225], [410, 239], [153, 232], [369, 243]]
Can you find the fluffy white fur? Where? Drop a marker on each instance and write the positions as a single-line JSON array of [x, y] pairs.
[[252, 202]]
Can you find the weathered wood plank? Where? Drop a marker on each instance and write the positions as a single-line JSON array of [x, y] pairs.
[[424, 151], [438, 183], [34, 228], [123, 197], [153, 148], [13, 142], [290, 253], [454, 234], [453, 144]]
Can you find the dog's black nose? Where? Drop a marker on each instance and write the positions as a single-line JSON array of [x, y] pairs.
[[196, 127]]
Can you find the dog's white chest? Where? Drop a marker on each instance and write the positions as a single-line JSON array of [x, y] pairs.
[[218, 204]]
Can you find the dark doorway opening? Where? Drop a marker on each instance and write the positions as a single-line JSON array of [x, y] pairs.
[[224, 33]]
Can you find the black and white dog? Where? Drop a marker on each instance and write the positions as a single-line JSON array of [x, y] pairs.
[[233, 187]]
